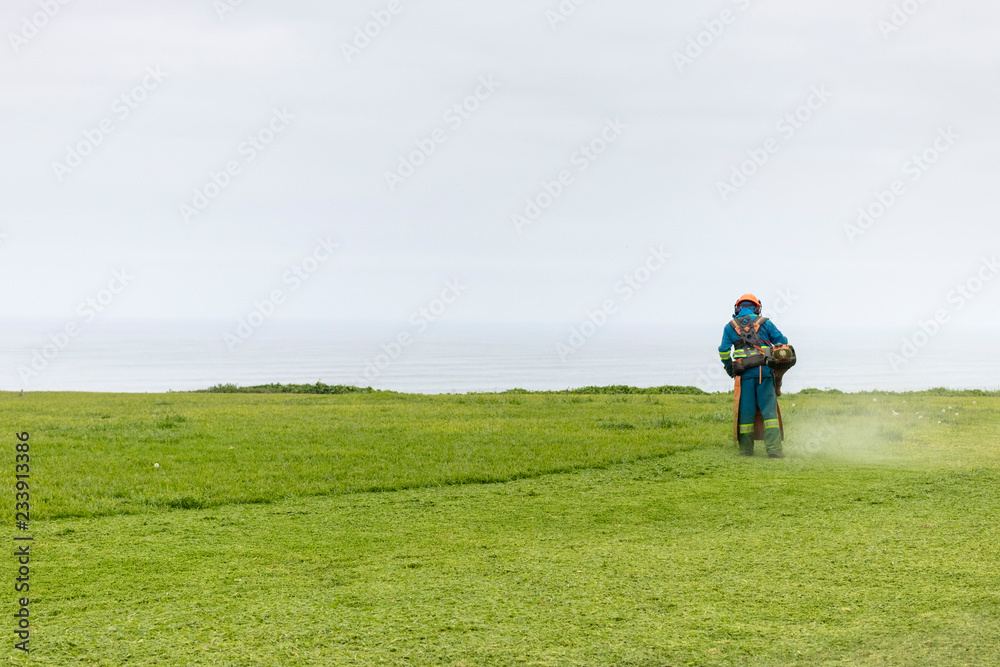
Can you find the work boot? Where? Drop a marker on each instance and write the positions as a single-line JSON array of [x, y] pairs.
[[746, 444], [772, 440]]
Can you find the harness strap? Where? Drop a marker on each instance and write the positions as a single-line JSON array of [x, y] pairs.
[[749, 332]]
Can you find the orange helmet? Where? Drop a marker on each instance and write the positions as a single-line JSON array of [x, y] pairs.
[[752, 299]]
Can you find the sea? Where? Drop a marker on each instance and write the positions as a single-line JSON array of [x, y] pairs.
[[162, 356]]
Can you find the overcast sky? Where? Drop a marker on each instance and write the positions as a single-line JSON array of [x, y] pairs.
[[670, 97]]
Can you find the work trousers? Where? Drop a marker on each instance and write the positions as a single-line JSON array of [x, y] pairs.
[[757, 393]]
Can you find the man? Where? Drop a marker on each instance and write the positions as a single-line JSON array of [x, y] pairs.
[[753, 337]]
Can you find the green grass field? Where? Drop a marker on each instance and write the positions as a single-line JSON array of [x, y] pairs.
[[509, 529]]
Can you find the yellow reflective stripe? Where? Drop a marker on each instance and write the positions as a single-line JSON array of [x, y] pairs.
[[746, 428], [746, 353], [724, 355], [771, 423]]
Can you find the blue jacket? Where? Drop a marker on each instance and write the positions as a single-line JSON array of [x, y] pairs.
[[769, 334]]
